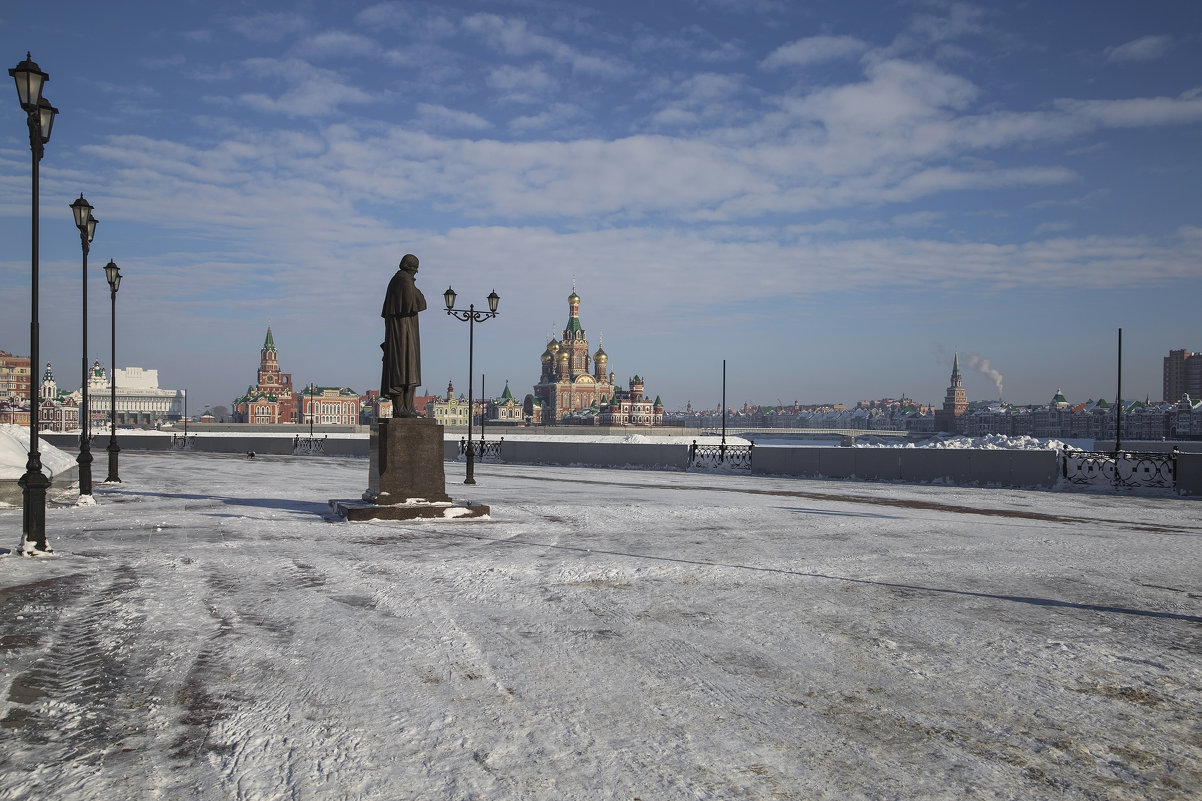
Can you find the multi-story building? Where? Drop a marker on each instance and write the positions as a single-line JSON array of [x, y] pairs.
[[271, 400], [140, 400], [505, 410], [452, 411], [59, 411], [1182, 375], [570, 389], [14, 378], [628, 407], [329, 406]]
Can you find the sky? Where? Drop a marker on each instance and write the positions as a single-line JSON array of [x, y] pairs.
[[833, 197]]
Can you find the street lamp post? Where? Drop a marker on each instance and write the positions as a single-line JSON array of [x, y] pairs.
[[471, 317], [86, 224], [113, 273], [312, 392], [34, 483]]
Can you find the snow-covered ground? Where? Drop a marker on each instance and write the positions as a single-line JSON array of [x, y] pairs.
[[204, 633]]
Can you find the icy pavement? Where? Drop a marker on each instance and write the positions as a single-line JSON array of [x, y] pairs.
[[204, 633]]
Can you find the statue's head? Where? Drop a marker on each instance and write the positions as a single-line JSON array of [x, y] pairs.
[[409, 263]]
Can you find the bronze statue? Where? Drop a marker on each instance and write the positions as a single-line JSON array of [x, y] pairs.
[[402, 372]]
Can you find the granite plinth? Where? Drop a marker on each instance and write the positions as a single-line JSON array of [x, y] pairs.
[[358, 511], [406, 463]]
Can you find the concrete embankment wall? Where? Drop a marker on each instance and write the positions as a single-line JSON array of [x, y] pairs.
[[1189, 474], [967, 467], [597, 454], [1001, 468]]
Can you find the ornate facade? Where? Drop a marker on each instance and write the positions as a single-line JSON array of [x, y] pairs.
[[329, 406], [272, 399], [628, 407], [450, 412]]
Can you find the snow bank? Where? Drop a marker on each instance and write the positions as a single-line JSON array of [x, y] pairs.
[[991, 442], [14, 453]]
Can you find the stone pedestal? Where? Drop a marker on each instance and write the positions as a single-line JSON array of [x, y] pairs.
[[406, 462], [405, 476]]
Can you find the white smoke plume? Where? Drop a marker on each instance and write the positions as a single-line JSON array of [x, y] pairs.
[[975, 362], [972, 361]]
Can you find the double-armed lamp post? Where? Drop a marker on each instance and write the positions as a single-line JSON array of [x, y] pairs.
[[86, 224], [34, 483], [471, 317], [113, 273]]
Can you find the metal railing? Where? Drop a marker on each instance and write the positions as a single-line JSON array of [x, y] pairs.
[[1124, 469], [309, 446], [183, 442], [481, 448], [732, 457]]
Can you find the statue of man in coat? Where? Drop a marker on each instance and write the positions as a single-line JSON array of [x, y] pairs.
[[402, 371]]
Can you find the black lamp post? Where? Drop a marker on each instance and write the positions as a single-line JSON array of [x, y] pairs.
[[86, 224], [471, 317], [113, 273], [312, 392], [34, 483]]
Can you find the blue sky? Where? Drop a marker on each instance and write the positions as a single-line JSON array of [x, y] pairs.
[[834, 197]]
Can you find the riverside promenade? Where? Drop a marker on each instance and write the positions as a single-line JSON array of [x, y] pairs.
[[204, 632]]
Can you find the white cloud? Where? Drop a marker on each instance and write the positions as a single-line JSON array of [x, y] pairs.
[[443, 118], [337, 44], [513, 37], [312, 91], [269, 27], [385, 15], [814, 50], [557, 115], [1136, 112], [1145, 48], [521, 84]]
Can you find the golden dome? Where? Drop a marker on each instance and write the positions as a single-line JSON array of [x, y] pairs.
[[600, 355], [573, 298], [546, 357], [553, 345]]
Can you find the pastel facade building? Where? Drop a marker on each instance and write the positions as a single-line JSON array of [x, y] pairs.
[[271, 400]]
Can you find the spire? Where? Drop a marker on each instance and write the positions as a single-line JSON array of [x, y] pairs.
[[269, 343], [956, 380]]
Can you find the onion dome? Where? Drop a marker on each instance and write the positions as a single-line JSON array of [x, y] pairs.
[[600, 356], [553, 346], [573, 298], [546, 357]]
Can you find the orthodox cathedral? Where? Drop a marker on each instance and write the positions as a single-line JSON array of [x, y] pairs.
[[571, 389]]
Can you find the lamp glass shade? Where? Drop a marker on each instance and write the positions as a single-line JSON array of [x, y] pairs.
[[113, 273], [82, 210], [46, 115], [91, 227], [449, 297], [493, 300], [29, 81]]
